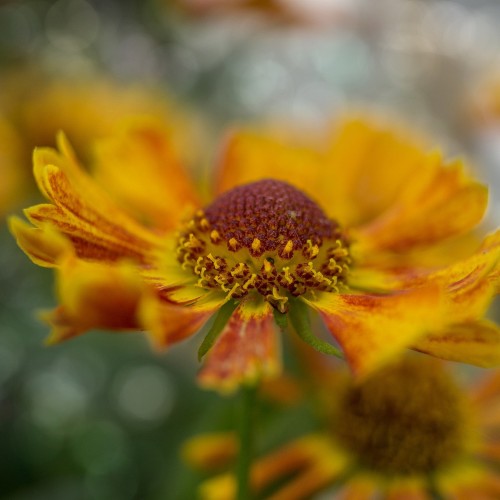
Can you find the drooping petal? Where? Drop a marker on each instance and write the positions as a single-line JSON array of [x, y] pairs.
[[142, 170], [169, 323], [475, 343], [94, 295], [43, 246], [373, 329], [247, 350], [437, 203], [80, 208]]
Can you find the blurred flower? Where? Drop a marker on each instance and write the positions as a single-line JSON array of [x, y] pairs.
[[290, 11], [134, 249], [34, 107], [408, 431]]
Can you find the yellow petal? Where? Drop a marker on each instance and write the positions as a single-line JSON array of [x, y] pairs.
[[360, 169], [44, 247], [209, 452], [94, 296], [475, 343], [437, 203], [142, 170], [246, 350], [81, 204], [249, 156], [374, 329]]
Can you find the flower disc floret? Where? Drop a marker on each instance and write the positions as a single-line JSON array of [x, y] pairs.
[[265, 237]]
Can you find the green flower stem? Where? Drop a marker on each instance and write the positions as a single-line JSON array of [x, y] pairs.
[[246, 428]]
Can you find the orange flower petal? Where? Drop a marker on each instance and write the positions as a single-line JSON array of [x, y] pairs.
[[475, 343], [360, 172], [249, 156], [43, 246], [143, 154], [437, 203], [360, 487], [326, 465], [80, 206], [407, 490], [246, 350], [209, 452], [94, 296], [373, 329], [170, 323]]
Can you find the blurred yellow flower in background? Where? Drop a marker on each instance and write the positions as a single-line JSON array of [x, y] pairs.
[[34, 107], [355, 230], [410, 431]]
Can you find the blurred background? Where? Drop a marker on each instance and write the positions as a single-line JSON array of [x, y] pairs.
[[101, 416]]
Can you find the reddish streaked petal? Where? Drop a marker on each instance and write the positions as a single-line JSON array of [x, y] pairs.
[[436, 204], [43, 246], [143, 154], [80, 202], [247, 350], [475, 343], [94, 296], [168, 324], [89, 241], [373, 329]]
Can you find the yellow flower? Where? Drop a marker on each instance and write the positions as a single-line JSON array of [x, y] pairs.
[[33, 108], [407, 432], [366, 231]]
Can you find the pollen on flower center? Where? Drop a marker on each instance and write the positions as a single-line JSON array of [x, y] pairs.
[[266, 237], [408, 418]]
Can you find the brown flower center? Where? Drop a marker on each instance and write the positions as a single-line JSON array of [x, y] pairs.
[[267, 237], [408, 418]]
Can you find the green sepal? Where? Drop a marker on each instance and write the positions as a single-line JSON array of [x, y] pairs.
[[299, 317], [221, 318], [280, 319]]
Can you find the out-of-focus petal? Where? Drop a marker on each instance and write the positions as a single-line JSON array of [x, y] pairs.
[[367, 165], [475, 343], [373, 329], [209, 452], [436, 203], [469, 481], [43, 246], [361, 486], [94, 295], [247, 350], [142, 170], [249, 156]]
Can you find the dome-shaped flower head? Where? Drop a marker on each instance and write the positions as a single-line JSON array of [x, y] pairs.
[[368, 231], [409, 431]]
